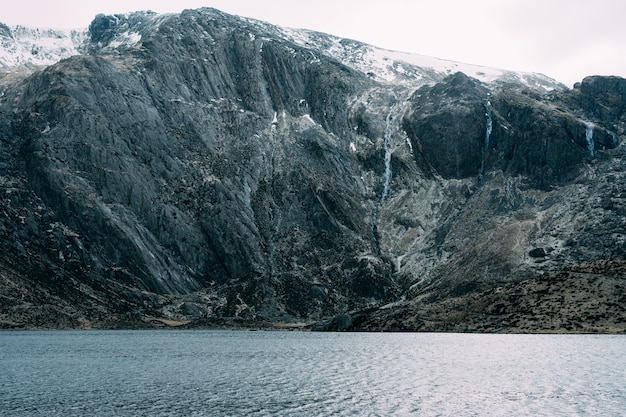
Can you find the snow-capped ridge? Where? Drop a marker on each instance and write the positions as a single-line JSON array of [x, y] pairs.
[[27, 47], [407, 68], [381, 64]]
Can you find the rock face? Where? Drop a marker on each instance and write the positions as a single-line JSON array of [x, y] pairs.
[[202, 166]]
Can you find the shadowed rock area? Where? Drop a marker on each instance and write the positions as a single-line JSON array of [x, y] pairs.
[[202, 169]]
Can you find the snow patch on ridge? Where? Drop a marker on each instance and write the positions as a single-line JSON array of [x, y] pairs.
[[400, 67], [22, 46], [126, 39]]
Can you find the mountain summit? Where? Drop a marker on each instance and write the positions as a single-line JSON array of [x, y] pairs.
[[202, 168]]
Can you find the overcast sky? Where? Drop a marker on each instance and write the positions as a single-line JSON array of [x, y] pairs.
[[564, 39]]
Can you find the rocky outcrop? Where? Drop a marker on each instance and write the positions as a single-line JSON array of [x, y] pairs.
[[451, 114], [602, 97], [586, 299], [202, 167], [529, 134]]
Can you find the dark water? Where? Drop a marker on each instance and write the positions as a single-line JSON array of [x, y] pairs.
[[241, 373]]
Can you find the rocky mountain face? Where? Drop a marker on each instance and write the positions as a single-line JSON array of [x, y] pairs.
[[202, 168]]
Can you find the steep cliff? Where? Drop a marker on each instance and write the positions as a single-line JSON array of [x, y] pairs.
[[202, 166]]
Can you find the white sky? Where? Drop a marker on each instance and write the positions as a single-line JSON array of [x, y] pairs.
[[564, 39]]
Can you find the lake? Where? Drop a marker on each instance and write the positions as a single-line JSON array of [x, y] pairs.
[[271, 373]]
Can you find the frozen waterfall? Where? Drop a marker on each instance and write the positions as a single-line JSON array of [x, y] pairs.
[[385, 192], [486, 140], [589, 138], [386, 182], [387, 146]]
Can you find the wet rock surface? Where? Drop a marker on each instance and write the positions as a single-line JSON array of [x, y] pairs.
[[202, 169]]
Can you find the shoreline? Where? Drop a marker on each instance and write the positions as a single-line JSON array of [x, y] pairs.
[[233, 325]]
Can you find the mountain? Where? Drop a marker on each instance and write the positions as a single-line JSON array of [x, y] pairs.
[[204, 169], [22, 47]]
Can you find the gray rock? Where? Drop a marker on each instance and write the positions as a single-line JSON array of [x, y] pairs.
[[213, 163], [537, 253]]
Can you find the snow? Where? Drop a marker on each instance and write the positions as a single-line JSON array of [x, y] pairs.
[[42, 47], [308, 118], [38, 47], [400, 67], [34, 47], [126, 39], [408, 142]]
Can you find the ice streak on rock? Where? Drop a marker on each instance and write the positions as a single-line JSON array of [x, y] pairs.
[[486, 140], [387, 175], [589, 138]]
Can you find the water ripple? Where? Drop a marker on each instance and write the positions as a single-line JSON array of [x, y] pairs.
[[238, 373]]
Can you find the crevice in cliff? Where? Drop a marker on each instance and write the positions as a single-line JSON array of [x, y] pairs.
[[589, 138], [387, 175], [485, 147]]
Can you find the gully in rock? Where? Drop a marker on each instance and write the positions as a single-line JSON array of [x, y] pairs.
[[486, 141], [589, 138], [385, 193], [386, 183]]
